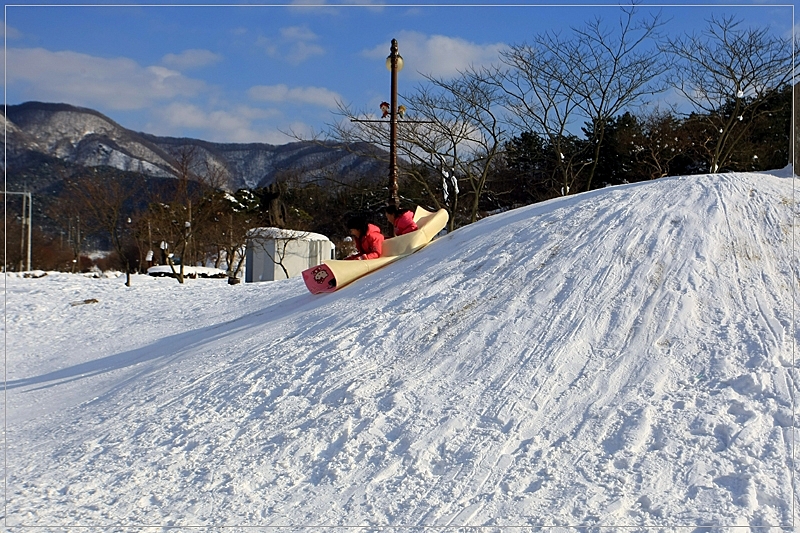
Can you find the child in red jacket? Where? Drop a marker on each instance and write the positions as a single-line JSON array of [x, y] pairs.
[[401, 219], [368, 238]]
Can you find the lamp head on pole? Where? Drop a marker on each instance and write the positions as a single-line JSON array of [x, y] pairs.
[[394, 54], [399, 63]]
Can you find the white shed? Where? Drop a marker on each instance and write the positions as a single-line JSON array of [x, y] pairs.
[[271, 250]]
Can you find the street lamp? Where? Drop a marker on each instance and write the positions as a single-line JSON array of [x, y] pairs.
[[394, 63]]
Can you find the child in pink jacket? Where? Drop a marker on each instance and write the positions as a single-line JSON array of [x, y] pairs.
[[401, 219], [368, 238]]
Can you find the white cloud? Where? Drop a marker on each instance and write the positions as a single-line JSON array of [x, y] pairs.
[[9, 32], [794, 33], [318, 96], [269, 46], [313, 6], [237, 125], [189, 59], [295, 44], [298, 33], [80, 79], [321, 7], [301, 51], [437, 55]]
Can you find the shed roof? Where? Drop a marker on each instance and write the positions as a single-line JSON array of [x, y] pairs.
[[280, 233]]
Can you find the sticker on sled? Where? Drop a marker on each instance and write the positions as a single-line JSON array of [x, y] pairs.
[[319, 279]]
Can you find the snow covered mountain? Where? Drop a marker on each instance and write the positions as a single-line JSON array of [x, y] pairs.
[[619, 358], [86, 137]]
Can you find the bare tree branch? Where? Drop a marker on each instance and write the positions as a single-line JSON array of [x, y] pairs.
[[726, 74]]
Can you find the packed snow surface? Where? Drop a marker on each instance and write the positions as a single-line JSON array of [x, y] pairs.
[[624, 357]]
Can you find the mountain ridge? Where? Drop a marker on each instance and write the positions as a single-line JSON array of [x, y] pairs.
[[86, 137]]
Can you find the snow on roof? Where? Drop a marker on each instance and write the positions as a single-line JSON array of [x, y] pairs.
[[279, 233]]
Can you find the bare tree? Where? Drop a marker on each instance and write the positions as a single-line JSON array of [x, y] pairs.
[[171, 218], [727, 73], [183, 218], [591, 76], [107, 202], [66, 212], [542, 97], [236, 215], [359, 128], [466, 133], [616, 70], [454, 127]]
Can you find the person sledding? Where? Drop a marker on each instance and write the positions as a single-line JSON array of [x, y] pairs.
[[401, 219], [367, 238]]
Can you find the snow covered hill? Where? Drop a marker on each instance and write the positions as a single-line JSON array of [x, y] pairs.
[[624, 357]]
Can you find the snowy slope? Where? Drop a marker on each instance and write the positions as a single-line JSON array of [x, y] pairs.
[[624, 357]]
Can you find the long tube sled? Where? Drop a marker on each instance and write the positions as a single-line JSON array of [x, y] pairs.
[[335, 273]]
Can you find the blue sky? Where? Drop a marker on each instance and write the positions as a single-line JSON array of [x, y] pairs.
[[250, 73]]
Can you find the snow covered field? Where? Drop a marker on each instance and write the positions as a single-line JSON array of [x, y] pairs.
[[625, 357]]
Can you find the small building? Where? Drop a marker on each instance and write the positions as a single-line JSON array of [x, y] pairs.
[[274, 253]]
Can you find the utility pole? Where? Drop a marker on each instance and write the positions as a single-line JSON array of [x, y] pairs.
[[27, 216], [30, 228], [22, 237]]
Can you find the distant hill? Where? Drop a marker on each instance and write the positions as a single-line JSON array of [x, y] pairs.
[[85, 137]]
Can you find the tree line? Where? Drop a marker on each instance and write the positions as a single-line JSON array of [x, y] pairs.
[[569, 112], [190, 220], [558, 115]]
